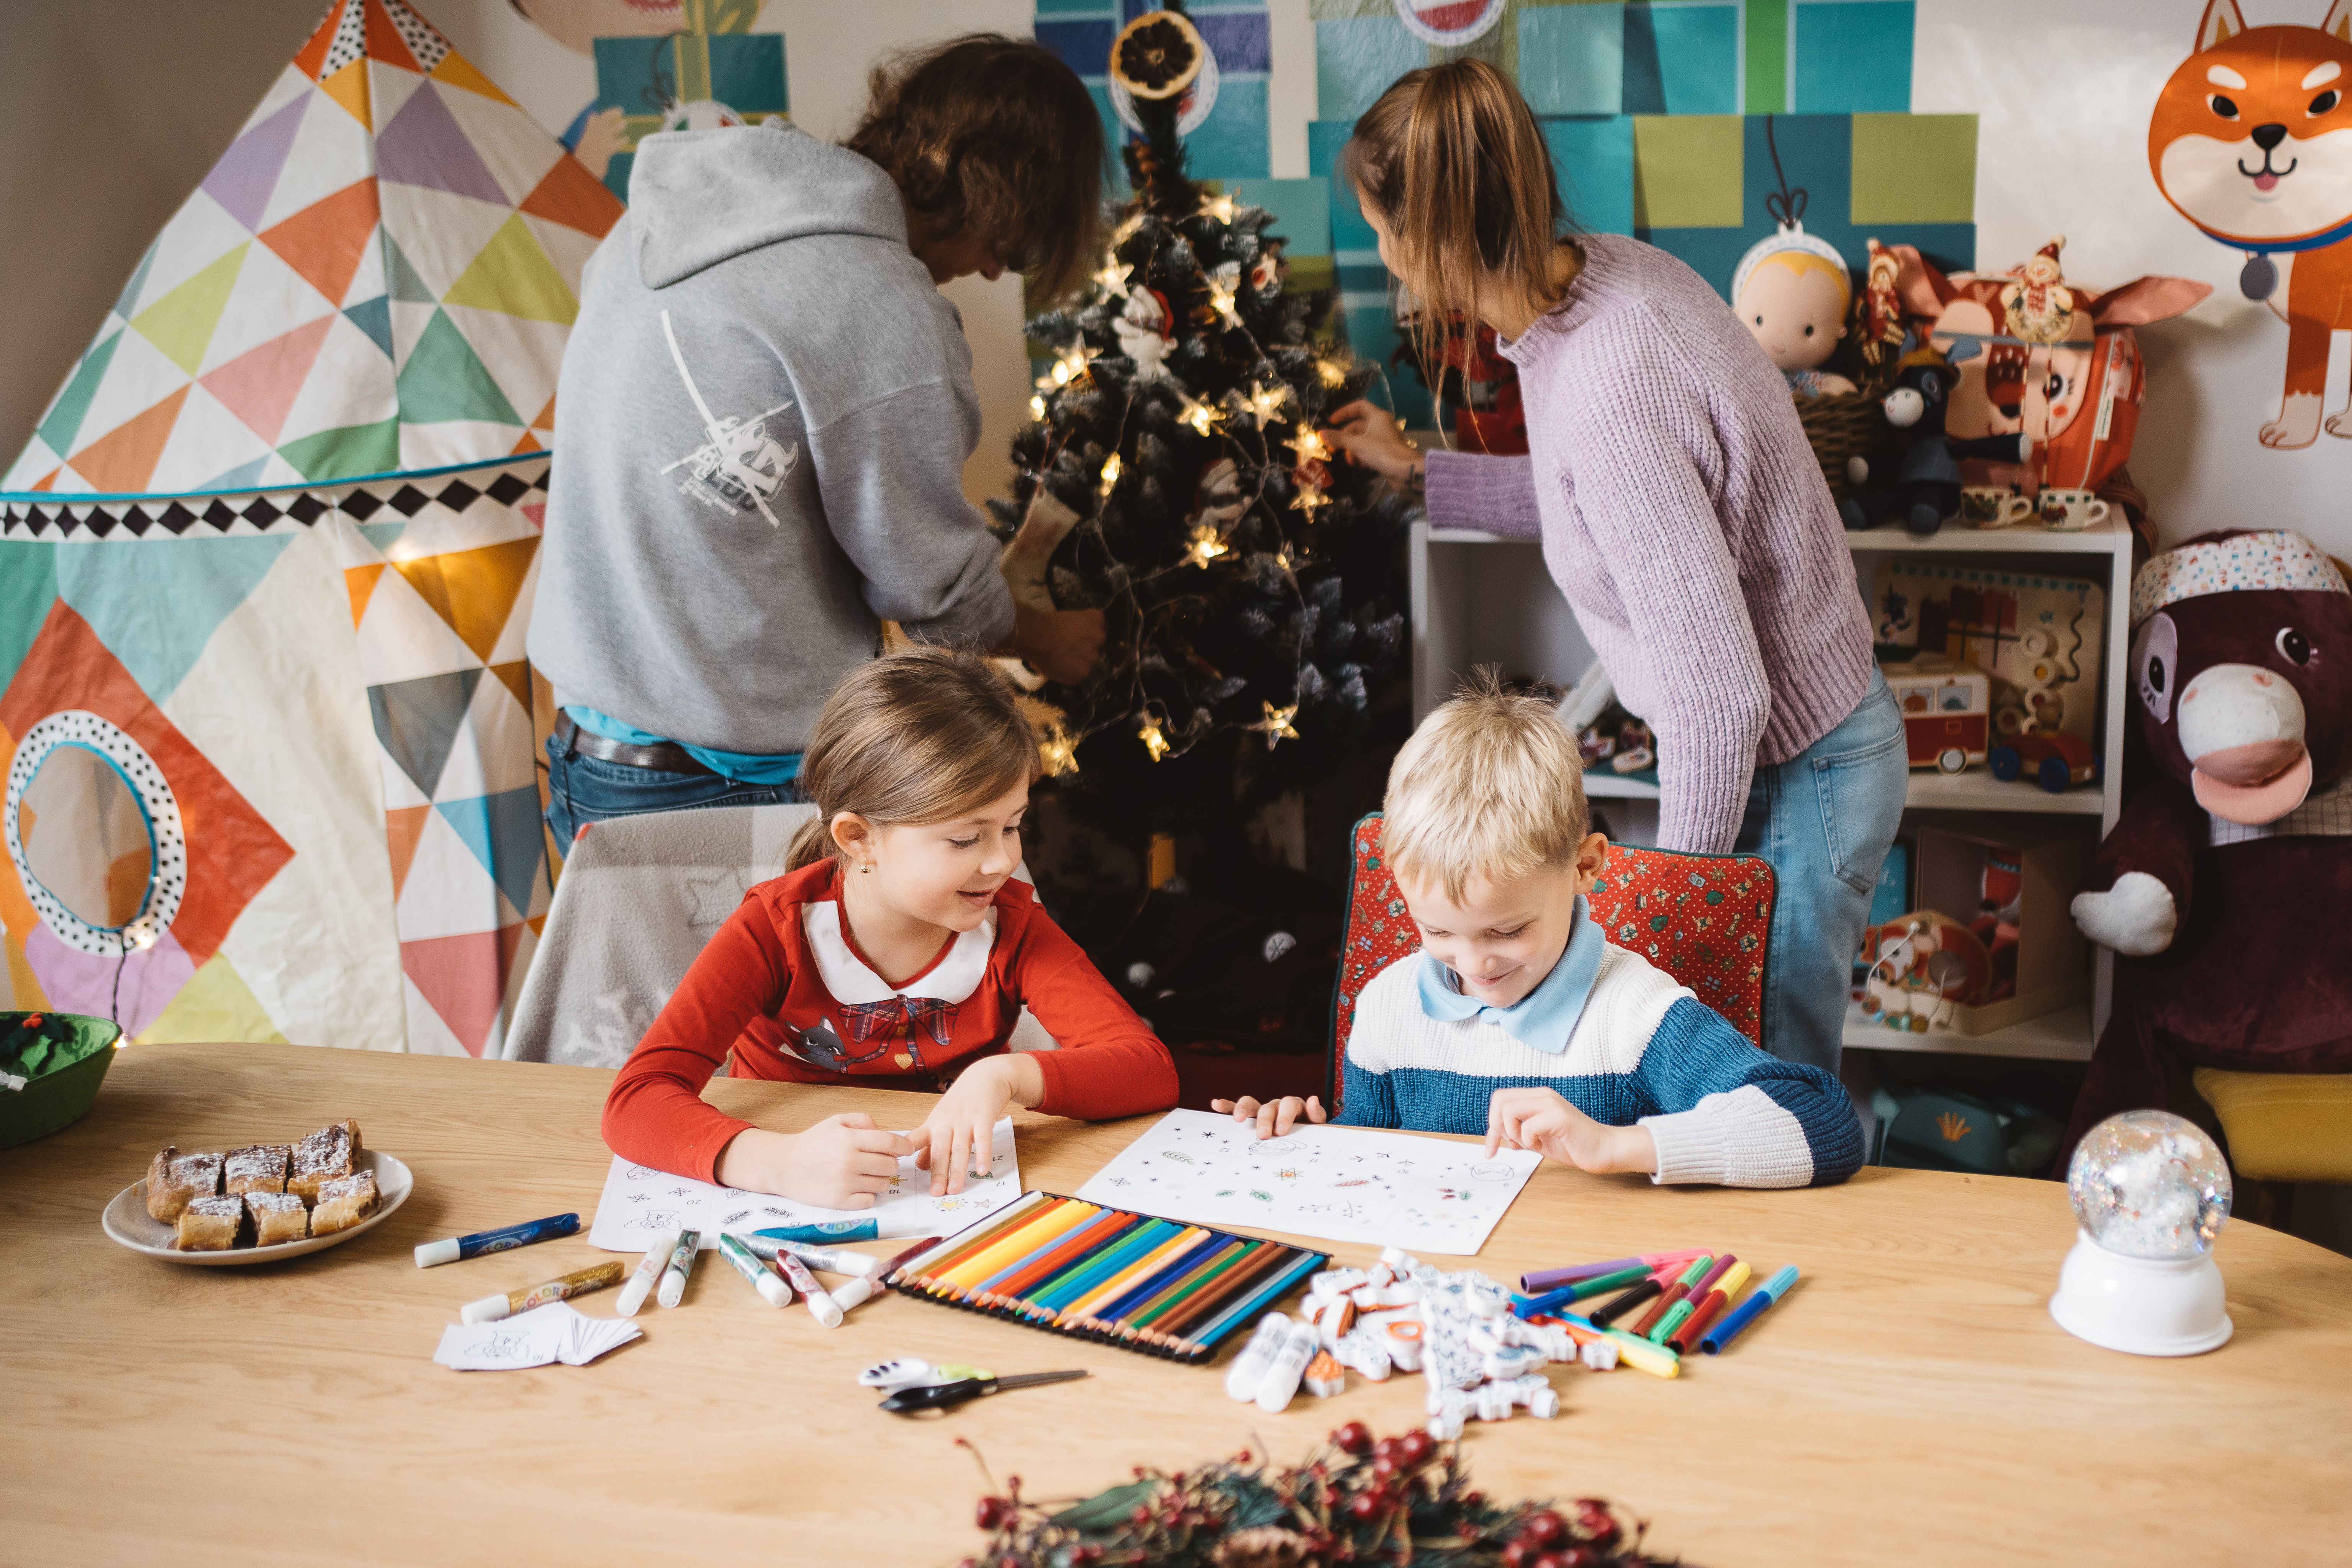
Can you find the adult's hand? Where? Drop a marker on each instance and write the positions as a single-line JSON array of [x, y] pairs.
[[1061, 645], [1368, 434]]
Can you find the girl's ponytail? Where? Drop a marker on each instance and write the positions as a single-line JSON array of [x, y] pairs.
[[925, 734]]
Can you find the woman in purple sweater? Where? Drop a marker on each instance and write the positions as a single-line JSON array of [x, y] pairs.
[[1680, 509]]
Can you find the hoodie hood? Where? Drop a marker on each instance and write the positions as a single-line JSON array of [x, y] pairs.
[[701, 197]]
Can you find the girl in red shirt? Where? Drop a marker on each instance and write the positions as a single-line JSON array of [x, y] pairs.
[[896, 951]]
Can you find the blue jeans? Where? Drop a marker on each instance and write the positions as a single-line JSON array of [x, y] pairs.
[[581, 789], [1824, 819]]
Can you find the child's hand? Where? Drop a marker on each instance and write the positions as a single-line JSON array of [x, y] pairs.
[[842, 1163], [953, 1141], [1275, 1117], [1538, 1119]]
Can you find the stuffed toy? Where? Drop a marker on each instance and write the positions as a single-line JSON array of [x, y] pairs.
[[2248, 143], [1913, 476], [1792, 291], [2222, 888], [2034, 354]]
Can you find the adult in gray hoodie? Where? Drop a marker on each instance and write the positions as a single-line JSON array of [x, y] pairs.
[[763, 415]]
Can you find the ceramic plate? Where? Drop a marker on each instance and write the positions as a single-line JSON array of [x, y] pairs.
[[127, 1221]]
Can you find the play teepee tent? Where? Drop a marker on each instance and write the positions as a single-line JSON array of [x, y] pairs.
[[266, 566]]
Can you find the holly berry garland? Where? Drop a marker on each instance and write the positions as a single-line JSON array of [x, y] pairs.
[[1403, 1501]]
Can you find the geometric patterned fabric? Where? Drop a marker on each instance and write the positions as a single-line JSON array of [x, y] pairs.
[[1706, 920], [235, 559], [376, 278], [331, 684]]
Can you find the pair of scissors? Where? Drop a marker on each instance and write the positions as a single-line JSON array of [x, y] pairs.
[[944, 1395]]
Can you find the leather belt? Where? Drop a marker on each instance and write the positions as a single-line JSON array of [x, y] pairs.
[[663, 757]]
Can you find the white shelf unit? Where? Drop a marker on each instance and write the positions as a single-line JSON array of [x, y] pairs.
[[1483, 598]]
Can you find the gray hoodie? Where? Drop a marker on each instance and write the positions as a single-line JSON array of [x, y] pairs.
[[762, 423]]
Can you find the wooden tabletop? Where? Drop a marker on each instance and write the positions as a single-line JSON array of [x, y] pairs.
[[1911, 1402]]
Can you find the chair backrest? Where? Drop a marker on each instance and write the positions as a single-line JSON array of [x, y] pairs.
[[638, 899], [1706, 919]]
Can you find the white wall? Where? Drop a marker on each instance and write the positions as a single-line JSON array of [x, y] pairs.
[[109, 137]]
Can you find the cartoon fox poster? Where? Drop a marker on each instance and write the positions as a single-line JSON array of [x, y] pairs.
[[2252, 142]]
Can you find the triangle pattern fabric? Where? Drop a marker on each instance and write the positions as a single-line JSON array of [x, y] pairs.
[[378, 172], [502, 830], [402, 825], [416, 721], [473, 591]]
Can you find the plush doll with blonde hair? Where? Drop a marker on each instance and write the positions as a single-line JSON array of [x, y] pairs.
[[1792, 292]]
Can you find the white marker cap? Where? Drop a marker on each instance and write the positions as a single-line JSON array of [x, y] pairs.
[[772, 1290], [488, 1310], [856, 1292], [437, 1252], [825, 1307]]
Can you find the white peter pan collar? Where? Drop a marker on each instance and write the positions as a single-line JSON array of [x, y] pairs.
[[851, 980]]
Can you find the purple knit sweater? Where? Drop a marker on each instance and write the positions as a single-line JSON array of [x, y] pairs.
[[1686, 521]]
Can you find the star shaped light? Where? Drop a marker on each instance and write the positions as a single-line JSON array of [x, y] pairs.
[[1219, 208], [1277, 726], [1309, 446], [1154, 739], [1206, 545], [1263, 402]]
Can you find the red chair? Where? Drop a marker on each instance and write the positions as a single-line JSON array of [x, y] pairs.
[[1706, 920]]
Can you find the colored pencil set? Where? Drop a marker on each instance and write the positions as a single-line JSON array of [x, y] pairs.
[[1157, 1287]]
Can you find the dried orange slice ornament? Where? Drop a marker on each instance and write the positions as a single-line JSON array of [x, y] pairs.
[[1158, 55]]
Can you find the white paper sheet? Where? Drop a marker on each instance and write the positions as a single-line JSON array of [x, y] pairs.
[[1343, 1183], [639, 1201], [556, 1331]]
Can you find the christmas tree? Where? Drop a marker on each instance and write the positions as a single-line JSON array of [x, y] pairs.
[[1173, 474]]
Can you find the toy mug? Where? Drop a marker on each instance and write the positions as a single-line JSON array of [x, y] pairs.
[[2071, 512], [1990, 505]]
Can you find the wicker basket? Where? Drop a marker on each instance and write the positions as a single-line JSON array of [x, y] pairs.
[[1839, 425]]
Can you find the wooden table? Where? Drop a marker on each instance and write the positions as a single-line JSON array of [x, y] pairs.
[[1911, 1402]]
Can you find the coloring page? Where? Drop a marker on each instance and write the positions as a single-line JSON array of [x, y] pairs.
[[639, 1201], [1343, 1183]]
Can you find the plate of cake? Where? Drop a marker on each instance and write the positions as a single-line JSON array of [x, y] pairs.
[[259, 1203]]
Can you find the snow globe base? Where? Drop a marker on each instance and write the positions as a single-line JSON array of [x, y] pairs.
[[2144, 1306]]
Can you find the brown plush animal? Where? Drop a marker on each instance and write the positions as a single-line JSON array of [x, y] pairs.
[[2223, 888]]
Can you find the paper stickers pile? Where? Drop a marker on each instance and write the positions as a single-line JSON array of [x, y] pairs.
[[549, 1333], [1343, 1183], [639, 1202]]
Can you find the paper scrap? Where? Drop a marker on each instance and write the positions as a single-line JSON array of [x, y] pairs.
[[557, 1331], [639, 1202], [1343, 1183]]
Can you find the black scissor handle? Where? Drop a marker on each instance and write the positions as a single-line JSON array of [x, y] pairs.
[[937, 1395]]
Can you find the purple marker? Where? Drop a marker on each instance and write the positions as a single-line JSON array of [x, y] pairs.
[[505, 1238], [1538, 1281]]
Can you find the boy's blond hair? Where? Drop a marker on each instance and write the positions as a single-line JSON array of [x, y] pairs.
[[1490, 786]]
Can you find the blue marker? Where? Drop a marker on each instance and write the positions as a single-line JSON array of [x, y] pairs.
[[505, 1238], [1748, 1311], [826, 1233]]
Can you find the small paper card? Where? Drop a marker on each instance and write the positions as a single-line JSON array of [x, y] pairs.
[[553, 1332], [639, 1202], [1343, 1183]]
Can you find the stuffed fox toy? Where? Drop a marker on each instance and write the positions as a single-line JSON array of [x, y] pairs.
[[2252, 142]]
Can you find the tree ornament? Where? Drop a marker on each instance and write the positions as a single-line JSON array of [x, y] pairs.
[[1114, 277], [1276, 724], [1309, 446], [1146, 331], [1110, 475], [1158, 55], [1203, 418], [1206, 545], [1154, 739], [1222, 281], [1263, 402]]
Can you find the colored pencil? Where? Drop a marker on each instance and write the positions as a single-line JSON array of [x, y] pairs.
[[1147, 1322], [1038, 1243], [965, 1243], [1240, 1283], [1077, 1280], [1208, 1333], [1088, 1310], [989, 1258], [1008, 1286], [1159, 1294], [1058, 1267]]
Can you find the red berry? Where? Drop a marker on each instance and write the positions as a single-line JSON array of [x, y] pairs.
[[1595, 1522], [1579, 1556], [1385, 1446], [993, 1513], [1415, 1447], [1516, 1554], [1243, 1457], [1472, 1499], [1385, 1466], [1550, 1559], [1545, 1528], [1355, 1438], [1367, 1507]]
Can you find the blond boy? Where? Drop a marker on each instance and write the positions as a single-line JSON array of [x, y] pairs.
[[1519, 1019]]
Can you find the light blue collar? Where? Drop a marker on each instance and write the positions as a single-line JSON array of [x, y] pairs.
[[1543, 1018]]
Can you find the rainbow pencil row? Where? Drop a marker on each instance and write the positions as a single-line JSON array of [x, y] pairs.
[[1154, 1286]]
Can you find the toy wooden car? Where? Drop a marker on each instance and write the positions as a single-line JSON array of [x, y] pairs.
[[1947, 714], [2057, 760]]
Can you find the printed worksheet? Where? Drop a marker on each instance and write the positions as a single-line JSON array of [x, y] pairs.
[[1343, 1183], [639, 1201]]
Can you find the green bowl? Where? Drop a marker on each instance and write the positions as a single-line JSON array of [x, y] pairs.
[[60, 1096]]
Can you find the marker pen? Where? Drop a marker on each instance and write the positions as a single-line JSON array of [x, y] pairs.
[[1538, 1281], [1280, 1385], [680, 1264], [503, 1239], [772, 1290], [578, 1282], [824, 1233], [869, 1284], [831, 1259], [820, 1305], [1251, 1360], [649, 1267], [1610, 1312], [1748, 1311], [1633, 1350]]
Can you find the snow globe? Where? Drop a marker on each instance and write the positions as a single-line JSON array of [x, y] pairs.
[[2150, 1192]]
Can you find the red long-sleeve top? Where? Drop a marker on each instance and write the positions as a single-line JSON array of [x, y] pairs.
[[784, 989]]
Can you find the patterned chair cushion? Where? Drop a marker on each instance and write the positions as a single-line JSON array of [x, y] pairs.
[[1704, 919]]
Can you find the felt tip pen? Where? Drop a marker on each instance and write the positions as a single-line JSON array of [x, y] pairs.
[[1525, 1306], [868, 1284], [649, 1269], [1707, 1308], [680, 1264], [1748, 1311], [831, 1259], [1676, 1315], [1611, 1311], [1632, 1348], [503, 1239], [1543, 1279], [823, 1235], [772, 1290], [820, 1305], [578, 1282]]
